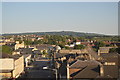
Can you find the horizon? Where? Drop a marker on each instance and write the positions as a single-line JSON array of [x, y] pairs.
[[59, 31], [87, 17]]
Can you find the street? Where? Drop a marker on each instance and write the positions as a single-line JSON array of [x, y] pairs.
[[37, 70]]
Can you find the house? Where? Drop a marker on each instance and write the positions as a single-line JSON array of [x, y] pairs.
[[74, 51], [69, 65], [88, 69], [25, 50], [40, 38], [71, 45], [44, 47], [11, 66], [103, 50], [27, 59], [77, 42], [81, 66], [33, 39], [27, 54], [2, 43], [110, 63], [15, 52], [61, 60], [19, 45], [110, 58]]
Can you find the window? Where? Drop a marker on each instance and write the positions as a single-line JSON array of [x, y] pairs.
[[110, 63]]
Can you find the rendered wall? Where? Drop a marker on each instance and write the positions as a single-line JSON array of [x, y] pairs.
[[19, 67], [6, 64]]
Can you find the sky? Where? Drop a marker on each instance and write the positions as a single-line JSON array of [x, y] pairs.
[[59, 0], [0, 17], [93, 17]]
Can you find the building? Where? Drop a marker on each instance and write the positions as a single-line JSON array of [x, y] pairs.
[[110, 63], [11, 66], [74, 51], [19, 45], [77, 42], [26, 53], [27, 59], [80, 69], [103, 50], [81, 66]]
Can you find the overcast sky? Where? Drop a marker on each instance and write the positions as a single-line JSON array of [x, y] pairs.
[[97, 17]]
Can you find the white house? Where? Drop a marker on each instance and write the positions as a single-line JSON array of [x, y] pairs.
[[11, 66], [18, 45]]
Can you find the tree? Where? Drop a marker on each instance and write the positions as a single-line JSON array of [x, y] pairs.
[[113, 50], [61, 45], [66, 47], [44, 52], [6, 49], [99, 44], [28, 42], [79, 47]]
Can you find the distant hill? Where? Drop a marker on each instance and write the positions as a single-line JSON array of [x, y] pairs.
[[69, 33]]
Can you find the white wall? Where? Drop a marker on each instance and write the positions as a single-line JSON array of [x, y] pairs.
[[19, 67], [6, 64]]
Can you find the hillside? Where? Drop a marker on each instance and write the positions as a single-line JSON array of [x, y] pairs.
[[69, 33]]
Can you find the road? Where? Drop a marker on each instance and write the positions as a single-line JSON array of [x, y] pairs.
[[38, 72]]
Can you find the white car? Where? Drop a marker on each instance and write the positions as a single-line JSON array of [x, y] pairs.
[[45, 67]]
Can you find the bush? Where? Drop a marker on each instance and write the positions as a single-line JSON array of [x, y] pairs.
[[79, 47]]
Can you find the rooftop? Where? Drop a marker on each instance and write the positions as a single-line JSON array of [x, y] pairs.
[[82, 64], [5, 55]]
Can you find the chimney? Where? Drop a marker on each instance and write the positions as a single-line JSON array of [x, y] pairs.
[[98, 52]]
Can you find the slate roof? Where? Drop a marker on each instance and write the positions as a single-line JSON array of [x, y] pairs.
[[110, 57], [88, 69], [74, 51], [37, 52], [59, 55], [44, 46], [26, 55], [82, 64], [5, 55], [104, 49], [25, 50], [89, 72], [110, 71]]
